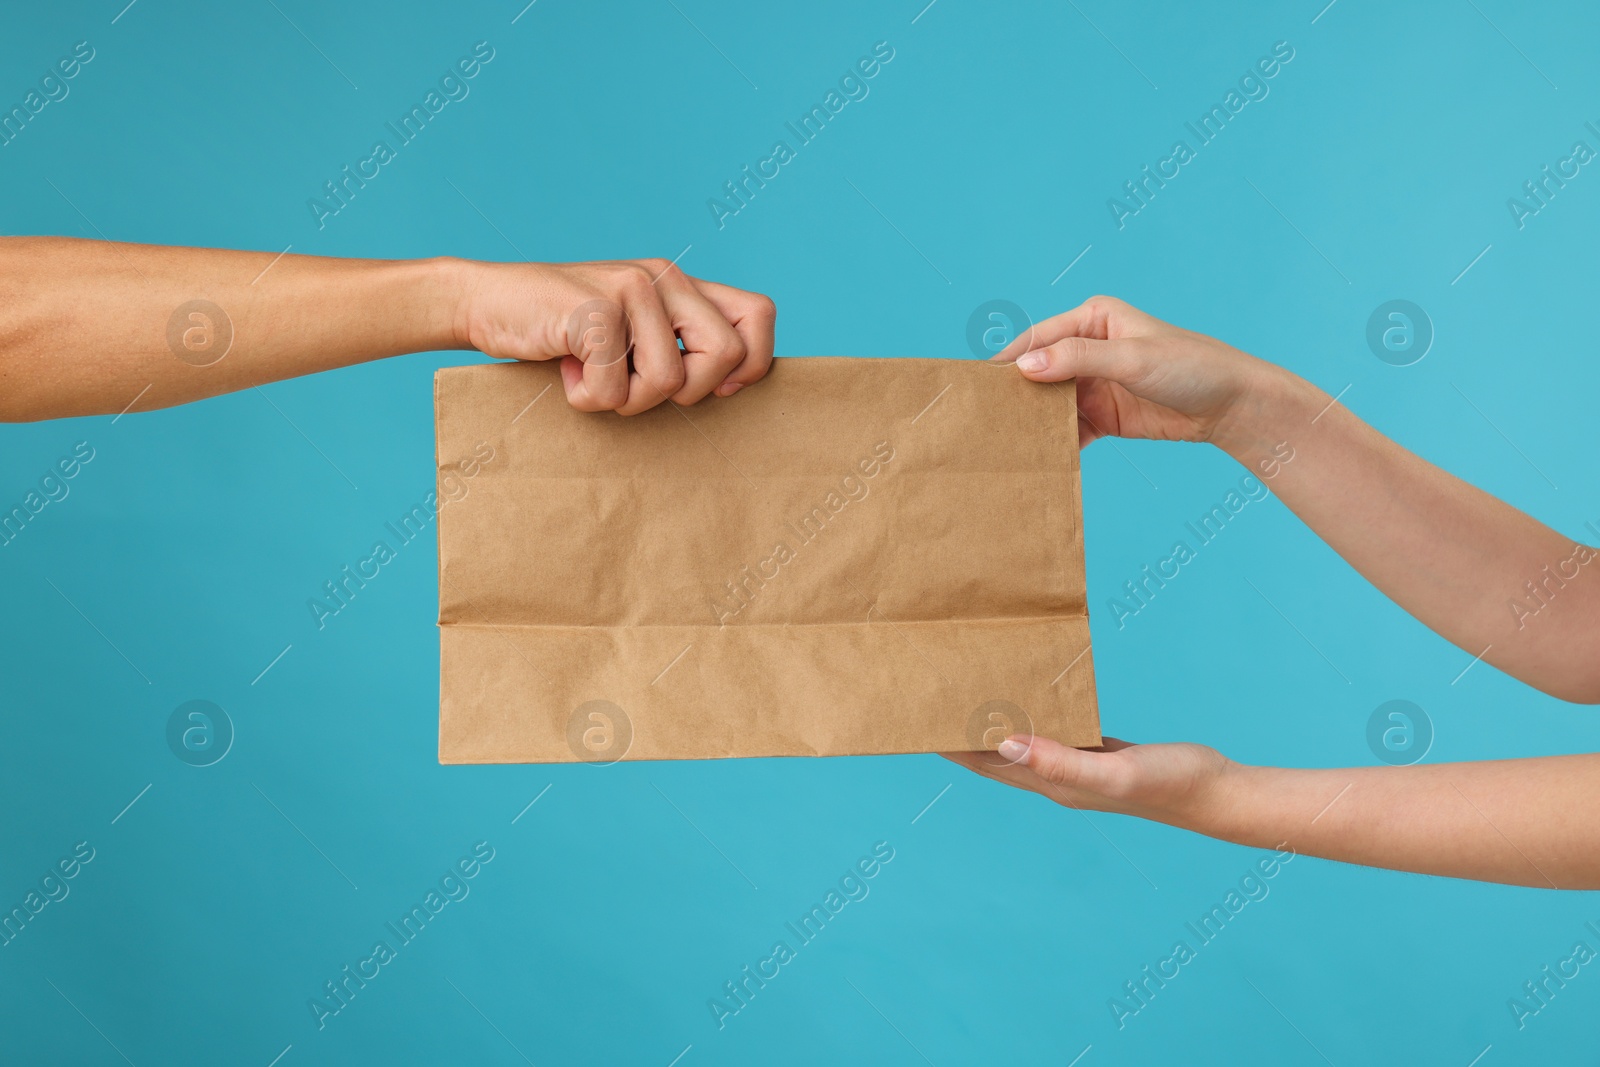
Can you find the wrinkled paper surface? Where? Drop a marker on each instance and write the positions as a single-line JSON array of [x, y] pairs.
[[852, 556]]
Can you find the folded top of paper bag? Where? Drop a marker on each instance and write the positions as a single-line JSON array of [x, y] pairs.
[[851, 556]]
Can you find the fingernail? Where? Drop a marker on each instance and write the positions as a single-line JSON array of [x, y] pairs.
[[1015, 751], [1035, 360], [729, 388]]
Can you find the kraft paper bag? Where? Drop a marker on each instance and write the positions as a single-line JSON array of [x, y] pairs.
[[851, 556]]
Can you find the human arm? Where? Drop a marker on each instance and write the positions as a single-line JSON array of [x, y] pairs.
[[1518, 821], [1485, 576], [96, 327]]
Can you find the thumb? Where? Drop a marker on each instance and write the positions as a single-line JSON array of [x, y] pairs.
[[1051, 760], [1123, 360]]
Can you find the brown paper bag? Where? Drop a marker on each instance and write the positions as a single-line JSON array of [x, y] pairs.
[[852, 556]]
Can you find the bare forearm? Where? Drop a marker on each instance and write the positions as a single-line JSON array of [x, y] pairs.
[[1522, 822], [1479, 572], [87, 326]]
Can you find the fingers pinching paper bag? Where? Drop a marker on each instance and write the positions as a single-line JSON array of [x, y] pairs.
[[852, 556]]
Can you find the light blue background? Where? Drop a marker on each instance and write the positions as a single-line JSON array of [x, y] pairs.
[[608, 918]]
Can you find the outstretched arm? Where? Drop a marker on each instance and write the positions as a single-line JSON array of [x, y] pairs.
[[1477, 571], [94, 327], [1521, 821]]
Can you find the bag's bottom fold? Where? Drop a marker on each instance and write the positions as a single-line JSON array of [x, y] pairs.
[[759, 690]]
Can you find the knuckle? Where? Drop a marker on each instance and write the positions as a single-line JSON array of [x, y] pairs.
[[1069, 352], [634, 282], [598, 323], [753, 369], [762, 309], [665, 381], [1052, 771], [729, 352], [611, 391], [686, 397]]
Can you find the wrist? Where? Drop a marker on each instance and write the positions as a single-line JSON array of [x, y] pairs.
[[1274, 408], [1212, 806], [446, 288], [466, 276], [409, 305]]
